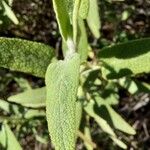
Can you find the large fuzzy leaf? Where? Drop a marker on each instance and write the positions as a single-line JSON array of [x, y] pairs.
[[93, 18], [25, 56], [62, 83], [31, 98], [126, 59], [63, 12]]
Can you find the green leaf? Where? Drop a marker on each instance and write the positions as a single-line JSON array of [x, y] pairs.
[[78, 113], [93, 18], [88, 135], [34, 98], [119, 123], [3, 137], [119, 143], [133, 86], [23, 83], [31, 113], [9, 13], [83, 42], [84, 9], [25, 56], [90, 109], [70, 5], [126, 58], [62, 80], [12, 143], [101, 122], [4, 106], [61, 8], [8, 107], [75, 20]]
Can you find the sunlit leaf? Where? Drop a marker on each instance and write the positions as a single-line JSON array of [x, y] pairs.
[[88, 135], [101, 122], [93, 18], [25, 56], [83, 43], [119, 143], [119, 123], [84, 8], [62, 80], [3, 137], [75, 20], [23, 83], [12, 143], [9, 13], [61, 8], [31, 98], [8, 107], [133, 86], [126, 59], [31, 113], [90, 109]]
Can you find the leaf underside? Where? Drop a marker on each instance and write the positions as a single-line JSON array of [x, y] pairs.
[[62, 83]]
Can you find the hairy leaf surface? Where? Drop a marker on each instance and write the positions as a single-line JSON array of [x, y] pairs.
[[25, 56], [126, 59], [62, 83]]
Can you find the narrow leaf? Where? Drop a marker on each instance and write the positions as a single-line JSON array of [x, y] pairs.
[[119, 143], [101, 122], [78, 113], [25, 56], [12, 143], [119, 123], [62, 83], [3, 137], [84, 9], [31, 113], [83, 42], [133, 86], [61, 9], [34, 98], [89, 108], [9, 13], [126, 59], [75, 20], [8, 107], [93, 18], [70, 5], [88, 135]]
